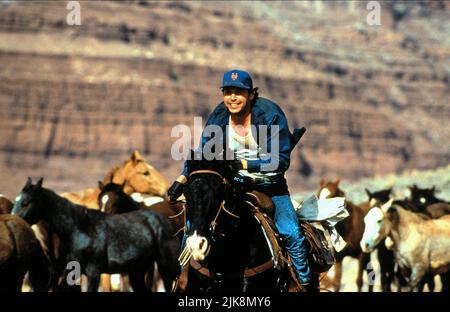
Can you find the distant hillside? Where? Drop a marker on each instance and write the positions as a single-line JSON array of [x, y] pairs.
[[76, 100]]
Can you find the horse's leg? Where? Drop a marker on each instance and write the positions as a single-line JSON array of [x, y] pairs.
[[445, 280], [93, 278], [62, 282], [416, 277], [149, 275], [386, 261], [137, 281], [429, 280], [168, 266], [314, 284], [105, 282], [363, 260], [338, 274]]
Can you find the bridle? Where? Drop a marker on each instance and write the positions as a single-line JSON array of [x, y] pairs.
[[213, 223], [185, 255]]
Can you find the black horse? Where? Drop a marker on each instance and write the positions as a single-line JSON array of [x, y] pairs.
[[113, 199], [225, 243], [384, 255], [128, 243], [426, 202]]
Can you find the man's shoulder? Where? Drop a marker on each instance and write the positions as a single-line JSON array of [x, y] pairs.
[[219, 112], [268, 107]]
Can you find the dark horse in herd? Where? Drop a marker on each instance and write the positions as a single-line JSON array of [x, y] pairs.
[[20, 252], [226, 248], [126, 243]]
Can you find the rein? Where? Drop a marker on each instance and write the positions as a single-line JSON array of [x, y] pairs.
[[222, 205]]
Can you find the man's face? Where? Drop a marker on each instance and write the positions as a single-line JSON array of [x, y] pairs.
[[237, 100]]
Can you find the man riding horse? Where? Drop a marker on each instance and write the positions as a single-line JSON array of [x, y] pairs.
[[261, 166]]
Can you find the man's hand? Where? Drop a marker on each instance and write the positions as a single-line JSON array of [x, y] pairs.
[[236, 165], [176, 189]]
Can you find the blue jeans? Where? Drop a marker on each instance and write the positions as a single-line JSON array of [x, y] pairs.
[[287, 224]]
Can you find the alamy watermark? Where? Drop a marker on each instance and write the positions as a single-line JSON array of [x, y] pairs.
[[74, 16], [74, 273], [216, 142], [373, 18]]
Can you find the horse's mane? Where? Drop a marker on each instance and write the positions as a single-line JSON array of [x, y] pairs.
[[411, 214], [109, 176], [82, 213]]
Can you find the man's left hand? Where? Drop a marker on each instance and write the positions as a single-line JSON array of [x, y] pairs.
[[237, 165]]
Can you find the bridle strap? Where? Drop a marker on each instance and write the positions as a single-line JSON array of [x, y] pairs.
[[222, 205]]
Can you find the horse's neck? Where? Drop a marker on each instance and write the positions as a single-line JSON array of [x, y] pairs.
[[403, 229], [128, 204], [246, 238], [352, 228], [59, 213]]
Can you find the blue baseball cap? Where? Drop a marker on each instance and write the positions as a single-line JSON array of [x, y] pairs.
[[237, 78]]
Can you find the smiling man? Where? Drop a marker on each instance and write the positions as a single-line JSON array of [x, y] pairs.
[[256, 129]]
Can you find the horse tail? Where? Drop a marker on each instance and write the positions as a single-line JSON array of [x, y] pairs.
[[168, 247]]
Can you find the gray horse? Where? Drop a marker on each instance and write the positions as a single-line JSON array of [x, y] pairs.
[[421, 245]]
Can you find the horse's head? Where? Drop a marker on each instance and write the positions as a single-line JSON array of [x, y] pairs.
[[27, 202], [329, 189], [422, 197], [377, 226], [206, 192], [379, 197], [109, 197], [5, 205], [138, 176]]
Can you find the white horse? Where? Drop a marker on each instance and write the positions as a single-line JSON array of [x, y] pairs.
[[421, 245]]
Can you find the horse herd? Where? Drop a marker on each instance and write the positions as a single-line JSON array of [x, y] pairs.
[[411, 237], [126, 226]]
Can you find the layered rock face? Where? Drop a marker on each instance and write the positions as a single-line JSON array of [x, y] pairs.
[[77, 100]]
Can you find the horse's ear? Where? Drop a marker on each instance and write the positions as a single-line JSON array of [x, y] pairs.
[[337, 181], [433, 189], [29, 182], [368, 192], [322, 182], [39, 182], [122, 186], [387, 205], [100, 185], [136, 156]]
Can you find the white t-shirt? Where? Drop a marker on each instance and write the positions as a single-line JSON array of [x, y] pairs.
[[245, 147]]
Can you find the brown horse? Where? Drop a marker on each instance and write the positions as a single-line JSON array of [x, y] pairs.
[[20, 252], [135, 174], [5, 205], [351, 229]]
